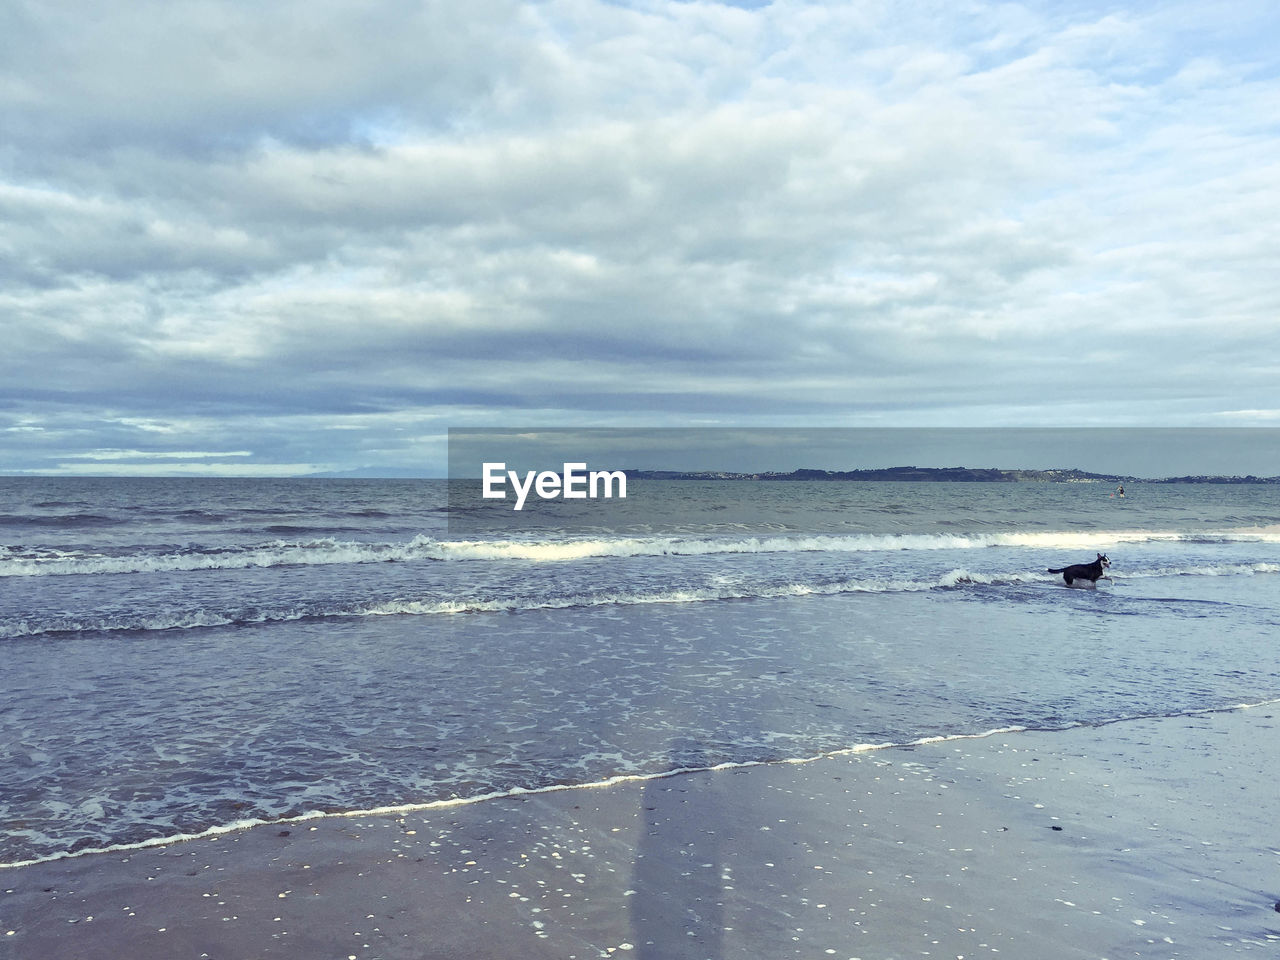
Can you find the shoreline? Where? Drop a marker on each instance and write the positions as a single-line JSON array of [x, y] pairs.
[[402, 809], [1147, 837], [425, 806]]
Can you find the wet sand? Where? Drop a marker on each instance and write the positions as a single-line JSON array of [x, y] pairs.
[[1144, 838]]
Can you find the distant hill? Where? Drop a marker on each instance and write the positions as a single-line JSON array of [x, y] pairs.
[[374, 473], [927, 474], [939, 475]]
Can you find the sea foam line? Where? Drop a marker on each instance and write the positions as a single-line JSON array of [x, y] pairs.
[[327, 551], [189, 620], [401, 809], [957, 578]]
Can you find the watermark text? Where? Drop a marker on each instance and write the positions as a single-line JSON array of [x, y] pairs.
[[574, 483]]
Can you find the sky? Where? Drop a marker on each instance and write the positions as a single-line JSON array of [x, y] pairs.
[[295, 238]]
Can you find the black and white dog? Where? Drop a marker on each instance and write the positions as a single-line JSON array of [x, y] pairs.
[[1085, 571]]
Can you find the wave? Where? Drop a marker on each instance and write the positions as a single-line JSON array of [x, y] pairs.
[[328, 550], [561, 550], [275, 553], [1206, 570], [68, 520], [186, 620], [957, 578]]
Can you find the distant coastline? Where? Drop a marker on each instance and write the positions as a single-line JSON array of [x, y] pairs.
[[940, 475]]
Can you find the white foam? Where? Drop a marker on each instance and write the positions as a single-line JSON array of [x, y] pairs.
[[331, 551], [553, 551], [1207, 570], [270, 554]]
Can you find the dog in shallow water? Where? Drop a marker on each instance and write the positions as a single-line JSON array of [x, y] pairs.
[[1085, 571]]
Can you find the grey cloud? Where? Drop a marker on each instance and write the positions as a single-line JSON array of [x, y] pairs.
[[209, 76]]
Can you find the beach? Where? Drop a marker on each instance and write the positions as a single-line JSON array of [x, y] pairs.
[[1139, 838]]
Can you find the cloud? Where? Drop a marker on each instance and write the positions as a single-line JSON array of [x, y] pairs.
[[259, 224], [207, 76], [157, 455]]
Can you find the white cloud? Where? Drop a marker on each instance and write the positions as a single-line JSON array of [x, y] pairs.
[[107, 455], [179, 469]]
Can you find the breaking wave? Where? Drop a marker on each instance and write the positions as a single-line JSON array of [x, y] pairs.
[[16, 562], [958, 578]]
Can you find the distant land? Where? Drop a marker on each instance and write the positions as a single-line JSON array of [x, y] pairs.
[[940, 474]]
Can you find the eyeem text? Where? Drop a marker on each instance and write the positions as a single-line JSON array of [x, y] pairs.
[[575, 483]]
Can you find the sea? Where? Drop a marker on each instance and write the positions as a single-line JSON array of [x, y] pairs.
[[183, 657]]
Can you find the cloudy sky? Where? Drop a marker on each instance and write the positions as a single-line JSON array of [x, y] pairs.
[[297, 237]]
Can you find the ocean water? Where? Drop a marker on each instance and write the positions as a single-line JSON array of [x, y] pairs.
[[185, 656]]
